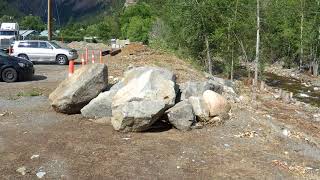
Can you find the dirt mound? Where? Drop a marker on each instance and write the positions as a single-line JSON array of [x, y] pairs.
[[84, 45], [133, 48]]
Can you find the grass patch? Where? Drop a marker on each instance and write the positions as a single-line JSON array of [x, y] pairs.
[[32, 93]]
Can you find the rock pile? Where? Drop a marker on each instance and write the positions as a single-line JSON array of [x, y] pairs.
[[144, 96]]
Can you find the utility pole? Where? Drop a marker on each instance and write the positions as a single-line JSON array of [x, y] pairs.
[[49, 21]]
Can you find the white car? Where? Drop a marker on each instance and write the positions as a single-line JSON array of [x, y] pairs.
[[43, 51]]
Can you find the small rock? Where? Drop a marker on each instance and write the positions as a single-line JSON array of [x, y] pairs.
[[22, 170], [316, 88], [226, 145], [34, 156], [303, 95], [41, 174], [197, 125], [286, 132]]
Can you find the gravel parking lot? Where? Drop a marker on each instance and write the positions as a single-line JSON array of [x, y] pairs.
[[34, 138]]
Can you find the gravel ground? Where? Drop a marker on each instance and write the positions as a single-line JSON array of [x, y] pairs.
[[266, 140]]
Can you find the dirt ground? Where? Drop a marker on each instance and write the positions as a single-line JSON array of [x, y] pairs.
[[263, 140]]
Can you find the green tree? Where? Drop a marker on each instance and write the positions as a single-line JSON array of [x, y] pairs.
[[136, 22], [32, 22]]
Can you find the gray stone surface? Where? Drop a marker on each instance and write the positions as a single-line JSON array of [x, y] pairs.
[[138, 71], [101, 106], [137, 116], [77, 91], [147, 93], [149, 85], [189, 89], [181, 116], [200, 108]]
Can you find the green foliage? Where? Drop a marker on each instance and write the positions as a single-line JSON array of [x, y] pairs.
[[230, 26], [32, 22], [136, 22]]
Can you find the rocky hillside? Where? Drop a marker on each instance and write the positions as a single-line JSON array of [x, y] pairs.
[[67, 9]]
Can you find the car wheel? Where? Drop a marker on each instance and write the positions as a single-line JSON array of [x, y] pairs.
[[23, 56], [62, 60], [9, 75]]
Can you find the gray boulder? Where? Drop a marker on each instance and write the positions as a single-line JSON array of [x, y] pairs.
[[181, 116], [200, 108], [78, 90], [137, 116], [153, 84], [189, 89], [101, 106], [142, 87], [218, 80], [138, 71]]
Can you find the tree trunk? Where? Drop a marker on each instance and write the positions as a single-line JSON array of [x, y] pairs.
[[315, 69], [301, 34], [232, 64], [257, 45], [245, 55], [208, 55]]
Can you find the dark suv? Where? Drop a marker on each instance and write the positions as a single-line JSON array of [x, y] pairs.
[[15, 69]]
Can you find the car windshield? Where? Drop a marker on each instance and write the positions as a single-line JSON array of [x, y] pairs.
[[55, 45], [3, 54], [6, 33]]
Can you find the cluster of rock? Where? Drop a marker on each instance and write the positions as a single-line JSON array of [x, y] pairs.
[[144, 96]]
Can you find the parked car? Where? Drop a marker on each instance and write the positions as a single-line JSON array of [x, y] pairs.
[[15, 69], [43, 51]]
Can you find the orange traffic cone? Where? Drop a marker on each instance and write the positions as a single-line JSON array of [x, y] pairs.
[[82, 60], [71, 67], [87, 56]]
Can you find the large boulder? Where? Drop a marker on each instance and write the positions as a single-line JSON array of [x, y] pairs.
[[189, 89], [217, 104], [200, 108], [142, 87], [181, 116], [152, 84], [101, 106], [134, 73], [78, 90], [137, 116]]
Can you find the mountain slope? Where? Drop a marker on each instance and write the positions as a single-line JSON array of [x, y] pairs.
[[63, 10]]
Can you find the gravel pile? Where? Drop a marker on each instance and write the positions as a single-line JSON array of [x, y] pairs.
[[83, 45]]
